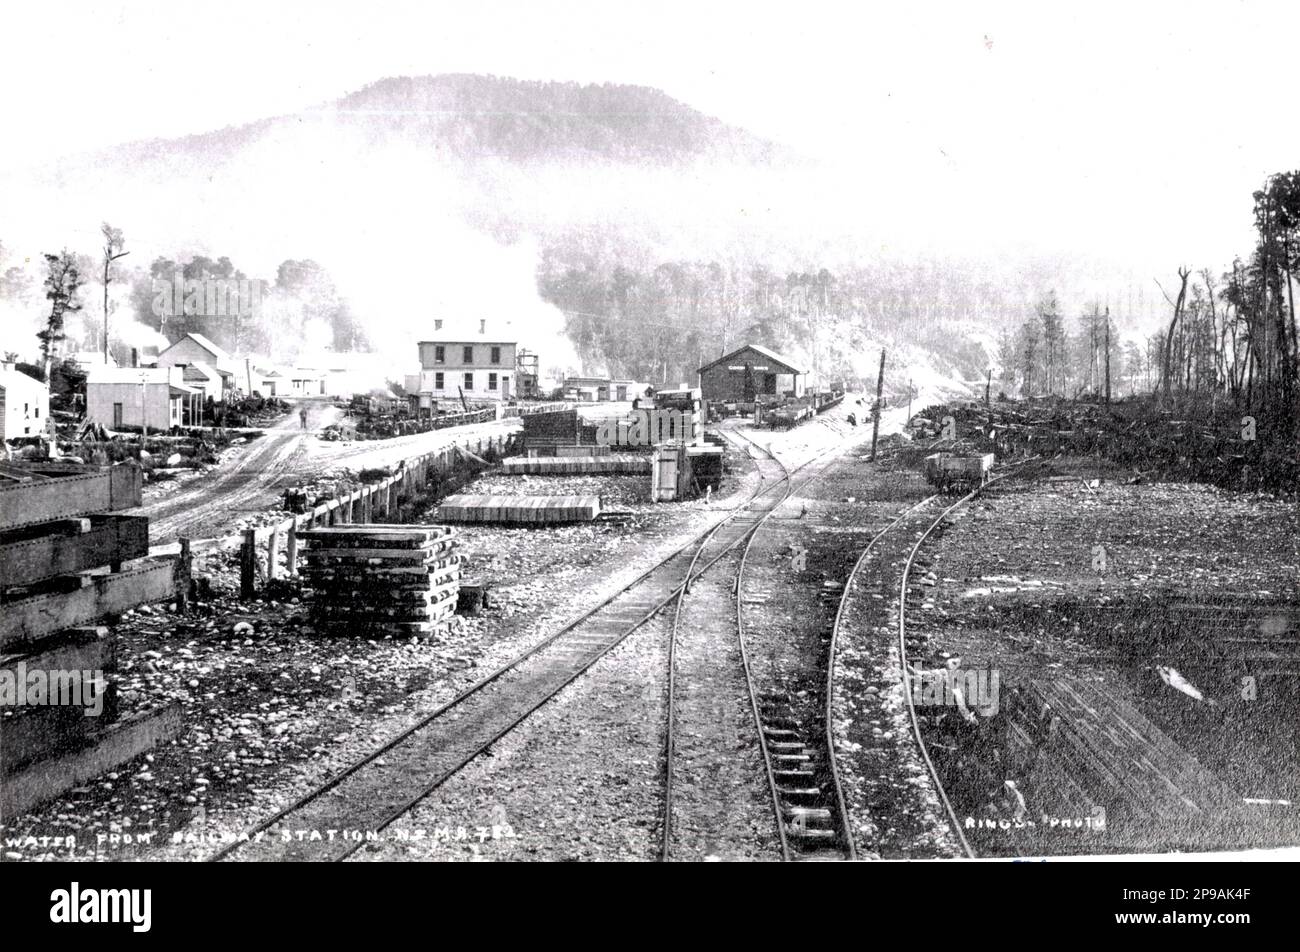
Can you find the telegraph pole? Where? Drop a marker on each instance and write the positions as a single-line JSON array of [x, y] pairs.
[[875, 412], [144, 407], [988, 396]]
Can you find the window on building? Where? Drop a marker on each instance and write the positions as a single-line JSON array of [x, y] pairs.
[[437, 381], [469, 381], [439, 354], [437, 323], [496, 355], [492, 381], [469, 355]]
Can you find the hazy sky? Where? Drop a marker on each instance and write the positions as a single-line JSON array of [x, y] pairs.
[[1114, 121]]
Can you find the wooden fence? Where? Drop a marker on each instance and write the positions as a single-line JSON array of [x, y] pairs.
[[374, 502]]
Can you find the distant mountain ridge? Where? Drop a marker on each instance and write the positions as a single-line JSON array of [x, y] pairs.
[[469, 116], [523, 119]]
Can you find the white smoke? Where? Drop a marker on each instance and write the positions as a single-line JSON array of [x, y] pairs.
[[132, 333], [388, 225]]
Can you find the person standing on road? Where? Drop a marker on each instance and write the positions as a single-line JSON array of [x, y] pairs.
[[302, 415]]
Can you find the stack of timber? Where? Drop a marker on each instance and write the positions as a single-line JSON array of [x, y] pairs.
[[563, 464], [534, 510], [370, 580], [555, 434], [57, 524], [583, 451]]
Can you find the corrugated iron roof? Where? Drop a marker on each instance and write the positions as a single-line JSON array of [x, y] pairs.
[[790, 366]]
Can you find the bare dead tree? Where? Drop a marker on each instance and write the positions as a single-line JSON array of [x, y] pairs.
[[1183, 274], [113, 245]]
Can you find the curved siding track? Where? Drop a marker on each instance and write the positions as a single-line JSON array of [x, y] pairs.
[[888, 578], [907, 670]]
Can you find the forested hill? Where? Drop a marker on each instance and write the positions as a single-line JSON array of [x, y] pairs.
[[474, 116], [648, 233], [469, 117]]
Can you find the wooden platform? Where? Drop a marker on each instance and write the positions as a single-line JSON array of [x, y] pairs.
[[567, 465], [529, 510]]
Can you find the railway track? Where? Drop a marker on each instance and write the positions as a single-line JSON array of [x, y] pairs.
[[909, 515], [798, 767], [905, 666], [703, 704], [807, 802], [337, 818], [796, 741], [881, 578]]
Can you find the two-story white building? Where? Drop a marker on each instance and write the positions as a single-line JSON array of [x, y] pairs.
[[479, 369]]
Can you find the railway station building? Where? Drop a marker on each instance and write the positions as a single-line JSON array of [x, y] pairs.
[[749, 372]]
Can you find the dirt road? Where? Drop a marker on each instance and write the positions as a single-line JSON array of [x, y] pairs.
[[253, 476]]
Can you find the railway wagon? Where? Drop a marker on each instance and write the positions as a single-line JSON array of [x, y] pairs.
[[789, 415], [949, 471]]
